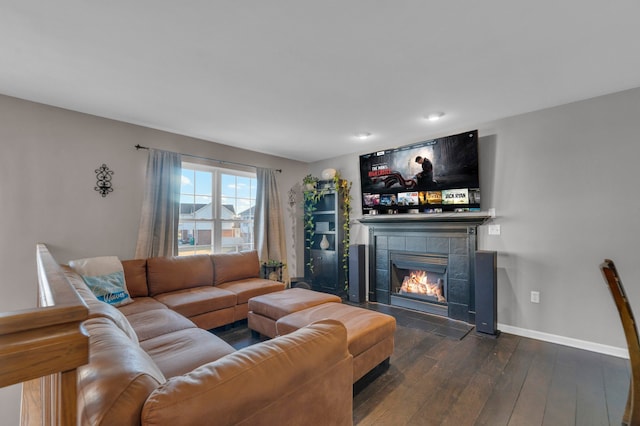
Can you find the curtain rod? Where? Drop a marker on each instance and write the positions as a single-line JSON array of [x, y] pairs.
[[138, 147]]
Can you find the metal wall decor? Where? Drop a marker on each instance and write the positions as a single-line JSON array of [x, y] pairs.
[[103, 185], [292, 196]]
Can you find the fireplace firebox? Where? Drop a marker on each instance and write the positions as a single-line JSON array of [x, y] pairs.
[[419, 281]]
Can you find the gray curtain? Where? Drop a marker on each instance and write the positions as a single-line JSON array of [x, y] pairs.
[[157, 234], [268, 222]]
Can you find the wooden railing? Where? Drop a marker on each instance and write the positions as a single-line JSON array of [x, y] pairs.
[[42, 347]]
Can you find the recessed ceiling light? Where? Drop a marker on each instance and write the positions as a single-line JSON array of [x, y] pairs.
[[362, 136], [435, 116]]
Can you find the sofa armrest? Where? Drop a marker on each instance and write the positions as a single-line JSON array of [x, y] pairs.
[[302, 378]]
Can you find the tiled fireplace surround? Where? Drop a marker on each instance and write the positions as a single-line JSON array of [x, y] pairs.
[[452, 234]]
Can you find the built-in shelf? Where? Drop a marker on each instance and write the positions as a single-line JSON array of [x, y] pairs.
[[325, 225]]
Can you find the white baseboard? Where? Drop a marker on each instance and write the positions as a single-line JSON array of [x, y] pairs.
[[566, 341]]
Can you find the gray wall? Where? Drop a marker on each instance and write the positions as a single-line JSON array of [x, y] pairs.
[[47, 161], [564, 182]]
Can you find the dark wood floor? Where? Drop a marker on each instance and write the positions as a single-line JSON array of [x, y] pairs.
[[443, 373]]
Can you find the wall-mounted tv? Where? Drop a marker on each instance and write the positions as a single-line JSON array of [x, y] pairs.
[[439, 175]]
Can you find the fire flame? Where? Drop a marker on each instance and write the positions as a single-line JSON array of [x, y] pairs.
[[417, 283]]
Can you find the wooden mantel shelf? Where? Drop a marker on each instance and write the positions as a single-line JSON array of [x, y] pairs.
[[458, 218]]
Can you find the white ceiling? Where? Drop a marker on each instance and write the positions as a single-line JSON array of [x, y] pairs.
[[298, 78]]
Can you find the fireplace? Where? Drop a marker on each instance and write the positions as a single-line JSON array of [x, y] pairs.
[[441, 247], [418, 281]]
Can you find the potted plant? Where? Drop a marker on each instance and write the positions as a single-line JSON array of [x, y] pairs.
[[310, 182], [343, 187]]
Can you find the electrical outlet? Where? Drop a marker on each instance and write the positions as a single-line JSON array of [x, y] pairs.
[[535, 297], [494, 229]]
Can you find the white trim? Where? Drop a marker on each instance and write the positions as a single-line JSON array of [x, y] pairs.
[[566, 341]]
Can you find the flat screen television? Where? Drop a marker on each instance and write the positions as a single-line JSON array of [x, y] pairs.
[[434, 176]]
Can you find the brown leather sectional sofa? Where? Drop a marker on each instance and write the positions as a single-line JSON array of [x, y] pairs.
[[210, 290], [152, 362]]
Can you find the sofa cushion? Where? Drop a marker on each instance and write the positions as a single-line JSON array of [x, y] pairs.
[[179, 352], [97, 308], [252, 287], [167, 274], [240, 387], [104, 276], [235, 266], [154, 323], [141, 304], [135, 274], [101, 309], [196, 301], [114, 385]]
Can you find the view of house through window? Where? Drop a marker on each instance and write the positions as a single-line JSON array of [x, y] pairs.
[[216, 210]]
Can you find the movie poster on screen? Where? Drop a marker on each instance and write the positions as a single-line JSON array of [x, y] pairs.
[[408, 198], [455, 196], [434, 197]]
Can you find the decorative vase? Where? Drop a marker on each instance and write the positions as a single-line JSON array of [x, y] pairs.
[[328, 174], [324, 244]]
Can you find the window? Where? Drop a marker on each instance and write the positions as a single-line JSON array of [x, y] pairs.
[[216, 210]]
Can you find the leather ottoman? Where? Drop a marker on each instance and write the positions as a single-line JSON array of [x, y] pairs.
[[266, 309], [370, 335]]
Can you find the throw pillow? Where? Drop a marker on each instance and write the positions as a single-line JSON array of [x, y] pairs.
[[105, 278]]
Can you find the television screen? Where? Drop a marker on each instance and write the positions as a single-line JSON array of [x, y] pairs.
[[431, 176]]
